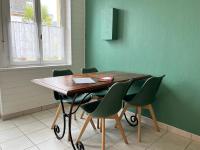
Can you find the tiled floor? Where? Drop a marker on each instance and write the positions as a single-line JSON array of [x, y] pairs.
[[32, 132]]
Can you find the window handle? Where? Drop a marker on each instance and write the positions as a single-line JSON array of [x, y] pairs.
[[41, 36]]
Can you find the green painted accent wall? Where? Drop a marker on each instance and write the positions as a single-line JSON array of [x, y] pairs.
[[155, 37]]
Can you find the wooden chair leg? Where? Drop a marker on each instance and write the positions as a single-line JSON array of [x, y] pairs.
[[56, 116], [119, 125], [75, 116], [82, 114], [98, 127], [84, 127], [153, 117], [123, 111], [139, 110], [103, 142], [100, 124], [93, 125]]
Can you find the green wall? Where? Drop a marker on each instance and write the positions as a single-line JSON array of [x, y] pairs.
[[156, 37]]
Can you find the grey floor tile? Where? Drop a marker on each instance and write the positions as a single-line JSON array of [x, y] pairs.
[[10, 134], [32, 127], [4, 125], [55, 144], [194, 146], [20, 143], [32, 148], [23, 120], [35, 129], [170, 141]]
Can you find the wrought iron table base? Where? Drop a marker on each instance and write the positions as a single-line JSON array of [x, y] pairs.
[[133, 120], [79, 145]]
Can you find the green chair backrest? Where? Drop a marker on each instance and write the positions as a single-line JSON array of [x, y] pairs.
[[89, 70], [148, 92], [57, 73], [112, 102]]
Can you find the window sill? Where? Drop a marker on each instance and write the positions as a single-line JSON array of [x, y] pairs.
[[11, 68]]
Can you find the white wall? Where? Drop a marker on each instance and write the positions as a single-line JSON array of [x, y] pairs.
[[19, 94]]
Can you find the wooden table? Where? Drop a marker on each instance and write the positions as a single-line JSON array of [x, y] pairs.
[[66, 86]]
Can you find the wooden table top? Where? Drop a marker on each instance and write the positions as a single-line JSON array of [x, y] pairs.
[[65, 84]]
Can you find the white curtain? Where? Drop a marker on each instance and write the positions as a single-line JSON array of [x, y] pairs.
[[24, 42], [53, 43]]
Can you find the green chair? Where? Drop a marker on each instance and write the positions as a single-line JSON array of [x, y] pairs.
[[68, 99], [107, 107], [144, 99], [100, 93], [89, 70]]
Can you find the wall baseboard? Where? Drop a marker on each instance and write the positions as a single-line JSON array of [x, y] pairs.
[[29, 111]]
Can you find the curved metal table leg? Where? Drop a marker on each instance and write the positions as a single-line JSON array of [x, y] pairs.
[[57, 130], [56, 127], [133, 120], [79, 145]]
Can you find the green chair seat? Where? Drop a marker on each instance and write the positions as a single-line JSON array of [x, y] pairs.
[[81, 99], [90, 107], [110, 104], [134, 89], [145, 94]]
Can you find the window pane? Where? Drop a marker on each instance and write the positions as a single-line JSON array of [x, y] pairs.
[[52, 32], [23, 32], [50, 12], [22, 10]]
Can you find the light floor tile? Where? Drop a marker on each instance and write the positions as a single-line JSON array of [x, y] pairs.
[[148, 136], [86, 135], [48, 121], [32, 127], [129, 146], [93, 141], [9, 134], [6, 125], [194, 146], [32, 148], [55, 144], [170, 141], [43, 114], [20, 143], [41, 135], [37, 131], [23, 120], [53, 110]]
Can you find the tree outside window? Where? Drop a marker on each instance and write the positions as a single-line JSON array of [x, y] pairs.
[[29, 15]]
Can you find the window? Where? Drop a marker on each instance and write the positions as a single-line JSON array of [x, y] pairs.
[[52, 31], [36, 32], [24, 43]]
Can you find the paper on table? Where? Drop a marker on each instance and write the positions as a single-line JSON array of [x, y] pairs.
[[83, 80]]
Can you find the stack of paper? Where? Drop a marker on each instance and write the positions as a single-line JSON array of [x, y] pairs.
[[83, 80]]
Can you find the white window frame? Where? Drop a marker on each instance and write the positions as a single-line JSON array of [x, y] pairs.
[[6, 62]]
